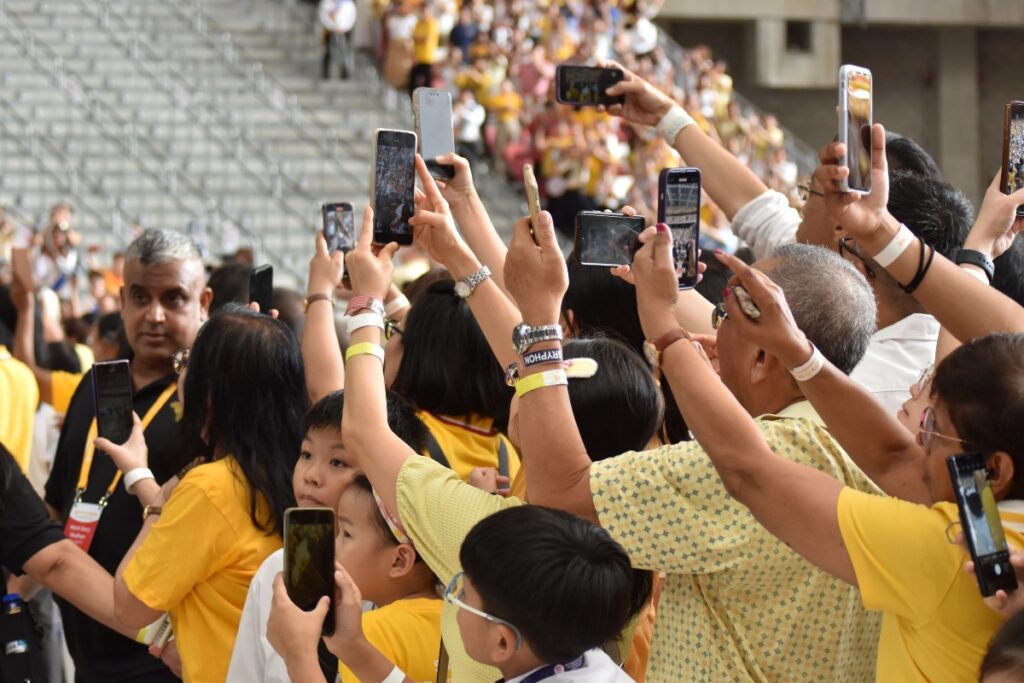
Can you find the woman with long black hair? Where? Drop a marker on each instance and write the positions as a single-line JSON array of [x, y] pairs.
[[244, 396]]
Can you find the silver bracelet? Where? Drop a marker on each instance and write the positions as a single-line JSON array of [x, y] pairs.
[[811, 368]]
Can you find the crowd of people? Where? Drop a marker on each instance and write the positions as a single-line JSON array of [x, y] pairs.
[[538, 470], [498, 59]]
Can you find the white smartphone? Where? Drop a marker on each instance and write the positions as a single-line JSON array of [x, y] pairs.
[[432, 110], [855, 126]]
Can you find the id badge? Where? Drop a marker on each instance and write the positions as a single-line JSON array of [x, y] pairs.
[[82, 522]]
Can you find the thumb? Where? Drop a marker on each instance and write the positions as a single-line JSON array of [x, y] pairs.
[[544, 231], [388, 252], [878, 159], [322, 605], [663, 247]]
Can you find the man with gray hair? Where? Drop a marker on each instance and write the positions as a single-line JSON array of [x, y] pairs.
[[738, 604], [163, 302]]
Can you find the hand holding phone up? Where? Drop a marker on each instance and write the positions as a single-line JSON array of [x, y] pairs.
[[369, 272], [535, 272], [348, 616]]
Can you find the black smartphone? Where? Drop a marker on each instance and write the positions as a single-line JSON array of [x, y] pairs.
[[982, 526], [607, 239], [112, 396], [339, 227], [309, 558], [1013, 150], [679, 208], [261, 287], [585, 86], [432, 109], [393, 185], [855, 126]]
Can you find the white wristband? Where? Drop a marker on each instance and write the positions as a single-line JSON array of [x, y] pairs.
[[976, 273], [903, 239], [672, 122], [358, 322], [396, 676], [811, 368], [133, 477], [397, 304]]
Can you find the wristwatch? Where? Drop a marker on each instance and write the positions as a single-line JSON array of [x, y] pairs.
[[976, 258], [524, 336], [654, 348], [465, 287], [358, 303], [313, 298]]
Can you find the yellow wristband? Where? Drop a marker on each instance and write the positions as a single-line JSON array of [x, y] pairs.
[[365, 348], [548, 378]]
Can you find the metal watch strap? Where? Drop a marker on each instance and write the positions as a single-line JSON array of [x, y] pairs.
[[524, 336], [470, 283]]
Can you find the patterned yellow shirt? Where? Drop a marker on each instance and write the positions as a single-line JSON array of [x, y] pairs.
[[738, 604]]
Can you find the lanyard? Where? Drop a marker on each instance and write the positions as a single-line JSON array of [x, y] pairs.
[[90, 447], [546, 672]]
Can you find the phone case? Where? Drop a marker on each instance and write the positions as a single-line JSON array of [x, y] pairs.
[[1010, 111], [578, 245], [405, 240], [746, 302], [662, 193], [532, 192], [845, 72], [437, 171]]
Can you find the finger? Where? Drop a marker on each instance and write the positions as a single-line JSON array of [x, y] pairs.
[[878, 160], [757, 284], [544, 232], [996, 182], [455, 160], [274, 313], [253, 306], [831, 153], [349, 589], [279, 588], [429, 186], [424, 217], [520, 232], [366, 232], [387, 252], [502, 479], [321, 243], [103, 444], [1018, 196], [628, 211], [624, 273], [322, 605]]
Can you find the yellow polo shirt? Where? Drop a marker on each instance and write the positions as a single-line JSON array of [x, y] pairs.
[[62, 388], [935, 626], [738, 604], [408, 633], [469, 443], [19, 398], [197, 563]]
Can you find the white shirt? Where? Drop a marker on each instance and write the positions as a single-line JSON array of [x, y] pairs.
[[895, 359], [253, 659], [766, 222], [598, 668], [337, 16]]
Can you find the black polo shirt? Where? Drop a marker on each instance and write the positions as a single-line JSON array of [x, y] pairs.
[[25, 526], [101, 654]]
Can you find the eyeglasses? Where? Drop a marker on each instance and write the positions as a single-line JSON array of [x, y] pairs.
[[456, 591], [927, 431], [179, 360], [805, 192], [391, 328], [922, 382], [718, 314], [846, 245]]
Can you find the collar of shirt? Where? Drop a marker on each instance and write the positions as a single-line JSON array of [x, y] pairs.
[[916, 327], [799, 410]]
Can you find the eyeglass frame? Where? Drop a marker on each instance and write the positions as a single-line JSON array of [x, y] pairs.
[[179, 360], [452, 599], [718, 315], [926, 431], [917, 388], [391, 328], [844, 243], [806, 191]]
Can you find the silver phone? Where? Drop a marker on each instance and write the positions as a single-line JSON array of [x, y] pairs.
[[855, 127], [432, 110]]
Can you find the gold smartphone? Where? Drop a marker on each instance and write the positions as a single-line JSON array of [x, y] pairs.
[[532, 193]]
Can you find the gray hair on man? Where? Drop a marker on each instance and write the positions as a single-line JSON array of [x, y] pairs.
[[154, 247], [831, 301]]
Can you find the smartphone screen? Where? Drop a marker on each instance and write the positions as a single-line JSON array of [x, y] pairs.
[[1013, 150], [434, 128], [339, 227], [585, 86], [607, 239], [855, 125], [679, 208], [112, 396], [983, 529], [309, 558], [261, 287], [394, 183]]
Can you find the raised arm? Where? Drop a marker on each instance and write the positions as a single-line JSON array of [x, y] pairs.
[[796, 503], [554, 456], [321, 353], [24, 299], [964, 305], [727, 180]]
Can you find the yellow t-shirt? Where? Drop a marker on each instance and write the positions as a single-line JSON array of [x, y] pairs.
[[197, 563], [737, 604], [427, 37], [85, 357], [19, 398], [469, 444], [62, 388], [408, 633], [935, 626]]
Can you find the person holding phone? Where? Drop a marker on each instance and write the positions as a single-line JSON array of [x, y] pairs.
[[243, 395]]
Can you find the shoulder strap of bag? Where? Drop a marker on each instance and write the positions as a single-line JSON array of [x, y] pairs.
[[434, 449]]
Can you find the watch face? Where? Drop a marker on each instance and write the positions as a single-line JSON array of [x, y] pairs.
[[519, 336], [462, 289], [651, 353]]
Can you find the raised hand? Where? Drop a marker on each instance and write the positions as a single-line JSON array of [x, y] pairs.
[[293, 632], [645, 105], [370, 273], [657, 287], [461, 187], [858, 214], [775, 331], [997, 224], [325, 269], [432, 224], [535, 273], [348, 615]]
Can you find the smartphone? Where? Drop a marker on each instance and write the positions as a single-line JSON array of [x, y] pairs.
[[112, 396], [532, 192], [585, 86], [309, 559], [339, 227], [607, 239], [1013, 150], [261, 287], [679, 208], [855, 127], [982, 526], [432, 110], [393, 185]]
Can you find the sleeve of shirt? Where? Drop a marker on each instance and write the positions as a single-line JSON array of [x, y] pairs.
[[900, 553], [25, 526], [670, 511], [438, 509], [766, 222], [160, 574]]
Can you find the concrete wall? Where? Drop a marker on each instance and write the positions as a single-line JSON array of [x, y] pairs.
[[979, 13]]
